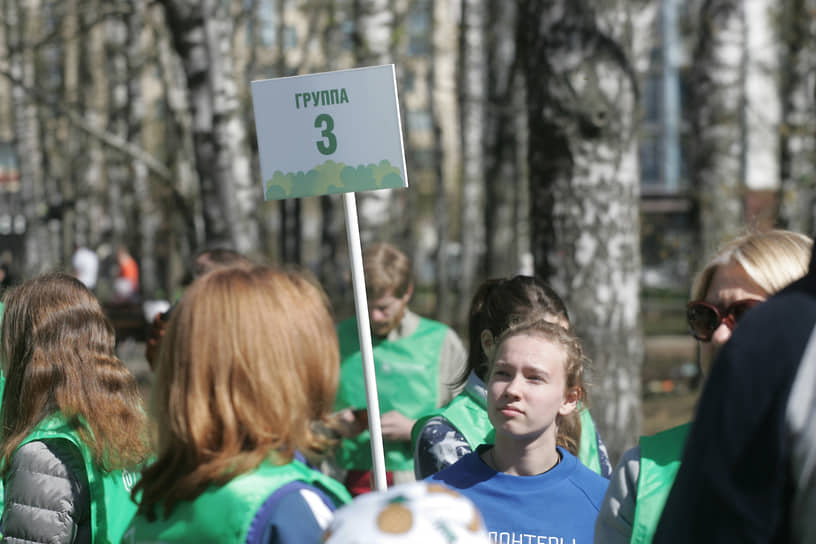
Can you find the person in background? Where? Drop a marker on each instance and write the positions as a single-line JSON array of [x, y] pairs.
[[442, 437], [407, 514], [417, 361], [85, 266], [743, 273], [528, 485], [204, 261], [245, 378], [73, 425], [748, 471], [126, 284]]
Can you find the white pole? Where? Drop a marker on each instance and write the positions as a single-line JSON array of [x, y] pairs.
[[361, 305]]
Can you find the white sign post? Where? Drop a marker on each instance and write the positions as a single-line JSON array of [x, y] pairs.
[[335, 132]]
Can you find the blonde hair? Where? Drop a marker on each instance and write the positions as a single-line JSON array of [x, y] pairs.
[[772, 259], [247, 369], [58, 350], [567, 436], [387, 270]]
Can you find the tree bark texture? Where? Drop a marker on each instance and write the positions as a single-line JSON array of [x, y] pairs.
[[796, 31], [472, 80], [20, 21], [584, 190], [201, 36], [717, 102]]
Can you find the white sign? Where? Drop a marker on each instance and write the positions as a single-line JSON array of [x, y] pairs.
[[334, 132]]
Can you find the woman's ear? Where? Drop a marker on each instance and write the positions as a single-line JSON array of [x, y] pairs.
[[487, 343], [570, 402]]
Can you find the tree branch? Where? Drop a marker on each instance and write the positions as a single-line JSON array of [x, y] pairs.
[[111, 140]]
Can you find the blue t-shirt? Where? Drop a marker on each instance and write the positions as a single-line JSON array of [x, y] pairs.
[[560, 504]]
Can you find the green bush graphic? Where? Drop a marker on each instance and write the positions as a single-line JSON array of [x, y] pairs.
[[332, 177]]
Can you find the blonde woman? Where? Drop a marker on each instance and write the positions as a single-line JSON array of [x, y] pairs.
[[743, 274]]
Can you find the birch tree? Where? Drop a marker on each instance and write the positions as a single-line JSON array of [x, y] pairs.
[[19, 23], [471, 84], [716, 109], [373, 20], [796, 30], [584, 189], [202, 37], [505, 146]]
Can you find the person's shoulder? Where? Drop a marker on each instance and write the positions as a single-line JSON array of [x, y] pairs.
[[588, 483], [462, 473], [296, 512], [54, 457]]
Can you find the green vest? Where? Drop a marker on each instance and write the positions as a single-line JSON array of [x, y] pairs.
[[224, 514], [659, 461], [2, 389], [111, 505], [467, 413], [588, 448], [407, 371]]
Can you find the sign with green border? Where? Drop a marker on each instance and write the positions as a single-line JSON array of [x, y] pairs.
[[333, 132]]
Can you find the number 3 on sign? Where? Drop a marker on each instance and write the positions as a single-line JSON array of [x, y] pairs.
[[328, 145]]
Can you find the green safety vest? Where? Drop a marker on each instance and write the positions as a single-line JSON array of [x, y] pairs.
[[225, 513], [467, 413], [588, 447], [407, 371], [659, 462], [2, 389], [111, 505]]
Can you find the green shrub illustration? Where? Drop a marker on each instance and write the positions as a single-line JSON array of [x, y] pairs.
[[332, 177]]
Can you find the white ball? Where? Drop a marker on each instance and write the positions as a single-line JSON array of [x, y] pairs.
[[428, 513]]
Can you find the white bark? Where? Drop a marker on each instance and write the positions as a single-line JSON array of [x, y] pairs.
[[202, 37], [21, 65], [585, 192], [717, 109], [374, 20], [472, 79], [797, 31], [762, 101]]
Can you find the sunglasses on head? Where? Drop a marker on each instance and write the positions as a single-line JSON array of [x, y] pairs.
[[704, 318]]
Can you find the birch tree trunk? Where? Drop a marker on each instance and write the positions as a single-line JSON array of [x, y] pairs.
[[76, 223], [797, 146], [762, 106], [584, 190], [146, 213], [20, 22], [184, 206], [201, 35], [472, 82], [446, 150], [334, 263], [717, 105], [372, 46], [109, 225], [502, 140]]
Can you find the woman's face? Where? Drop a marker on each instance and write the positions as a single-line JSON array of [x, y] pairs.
[[527, 389], [729, 284]]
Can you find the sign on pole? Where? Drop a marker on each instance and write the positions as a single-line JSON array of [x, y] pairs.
[[335, 132]]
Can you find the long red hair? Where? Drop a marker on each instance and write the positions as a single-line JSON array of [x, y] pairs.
[[247, 370]]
